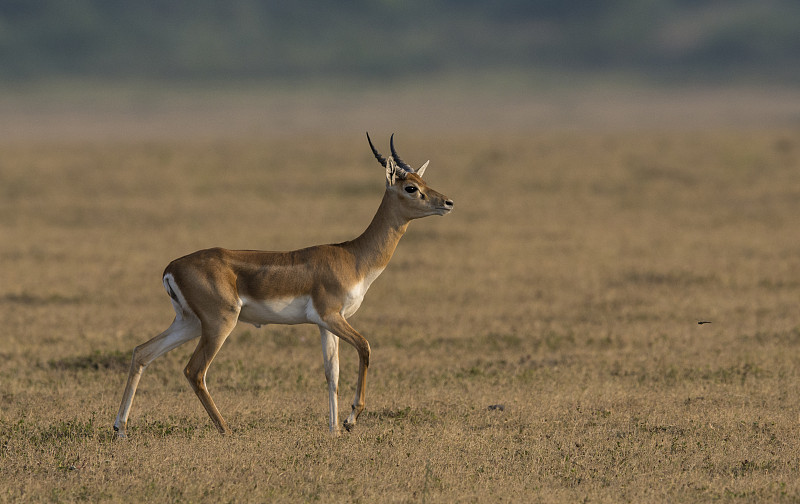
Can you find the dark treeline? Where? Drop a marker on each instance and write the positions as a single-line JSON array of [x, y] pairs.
[[211, 39]]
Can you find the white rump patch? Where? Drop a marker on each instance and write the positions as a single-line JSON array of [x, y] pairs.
[[176, 296]]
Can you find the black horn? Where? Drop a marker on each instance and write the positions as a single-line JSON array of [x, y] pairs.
[[381, 159], [402, 164]]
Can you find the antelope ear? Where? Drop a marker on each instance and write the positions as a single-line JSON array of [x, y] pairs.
[[422, 168], [391, 172], [394, 172]]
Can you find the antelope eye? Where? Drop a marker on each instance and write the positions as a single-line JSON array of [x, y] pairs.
[[411, 189]]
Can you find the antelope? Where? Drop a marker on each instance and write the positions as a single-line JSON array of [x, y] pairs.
[[211, 290]]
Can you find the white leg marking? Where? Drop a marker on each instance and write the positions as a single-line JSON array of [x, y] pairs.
[[330, 355]]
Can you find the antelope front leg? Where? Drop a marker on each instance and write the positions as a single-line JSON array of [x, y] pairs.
[[359, 402], [330, 356], [340, 327]]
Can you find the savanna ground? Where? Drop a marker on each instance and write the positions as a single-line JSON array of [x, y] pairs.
[[566, 286]]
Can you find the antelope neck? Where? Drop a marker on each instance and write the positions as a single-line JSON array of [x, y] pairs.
[[375, 246]]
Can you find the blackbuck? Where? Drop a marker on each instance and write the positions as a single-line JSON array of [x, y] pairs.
[[213, 289]]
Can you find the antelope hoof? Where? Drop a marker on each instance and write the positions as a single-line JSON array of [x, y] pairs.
[[120, 434], [348, 426]]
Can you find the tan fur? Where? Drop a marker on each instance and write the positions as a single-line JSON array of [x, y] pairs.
[[313, 285]]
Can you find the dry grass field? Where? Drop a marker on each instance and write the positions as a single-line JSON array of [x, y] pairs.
[[567, 286]]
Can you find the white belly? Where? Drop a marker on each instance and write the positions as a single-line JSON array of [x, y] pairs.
[[297, 310], [300, 309]]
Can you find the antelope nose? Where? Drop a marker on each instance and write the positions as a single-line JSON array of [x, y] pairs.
[[448, 204]]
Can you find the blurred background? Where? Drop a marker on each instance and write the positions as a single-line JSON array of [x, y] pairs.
[[249, 67]]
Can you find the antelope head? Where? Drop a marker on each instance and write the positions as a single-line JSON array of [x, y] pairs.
[[406, 185]]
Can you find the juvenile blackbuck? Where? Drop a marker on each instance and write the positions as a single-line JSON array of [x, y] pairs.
[[213, 289]]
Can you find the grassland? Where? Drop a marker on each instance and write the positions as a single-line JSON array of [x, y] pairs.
[[567, 286]]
